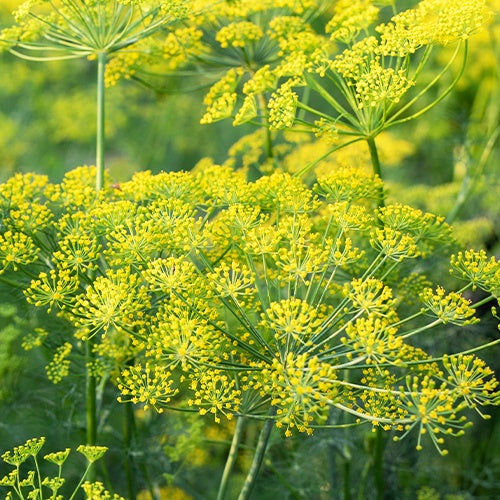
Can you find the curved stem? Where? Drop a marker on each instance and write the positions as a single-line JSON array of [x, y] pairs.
[[86, 475], [258, 458], [101, 67], [231, 458], [376, 168], [392, 121]]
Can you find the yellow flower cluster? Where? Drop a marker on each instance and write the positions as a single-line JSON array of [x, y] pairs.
[[282, 106], [479, 270], [21, 453], [301, 387], [16, 249], [291, 321], [76, 28], [347, 184], [374, 337], [432, 22], [144, 384], [28, 487], [238, 34], [117, 300], [215, 393], [96, 491], [471, 377], [449, 308], [207, 292], [221, 98], [58, 368], [53, 288], [57, 457], [350, 19]]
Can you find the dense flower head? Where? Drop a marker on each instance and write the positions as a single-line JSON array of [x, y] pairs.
[[57, 457], [204, 291], [75, 28], [432, 22], [221, 98], [471, 378], [16, 249], [348, 184], [58, 368], [478, 269], [372, 65], [448, 307], [282, 106], [21, 453], [351, 18], [92, 452], [97, 491], [238, 34]]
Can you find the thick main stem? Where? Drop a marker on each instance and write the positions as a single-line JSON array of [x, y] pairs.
[[258, 458], [101, 67], [128, 432], [231, 458], [376, 168], [378, 464], [90, 402]]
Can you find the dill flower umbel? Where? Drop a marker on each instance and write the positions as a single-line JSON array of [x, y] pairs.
[[237, 298]]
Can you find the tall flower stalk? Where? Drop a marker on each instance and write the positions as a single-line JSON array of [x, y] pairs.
[[50, 30]]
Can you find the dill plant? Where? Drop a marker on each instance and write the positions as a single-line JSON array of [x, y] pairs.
[[345, 71], [48, 30], [264, 300]]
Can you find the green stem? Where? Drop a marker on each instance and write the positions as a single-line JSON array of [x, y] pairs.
[[378, 464], [258, 458], [86, 475], [101, 67], [231, 458], [471, 178], [392, 121], [90, 400], [347, 473], [362, 481], [128, 431], [376, 168], [39, 477], [285, 482], [269, 138]]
